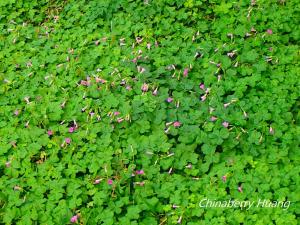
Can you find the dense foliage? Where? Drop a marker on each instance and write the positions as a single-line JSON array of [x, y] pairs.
[[131, 112]]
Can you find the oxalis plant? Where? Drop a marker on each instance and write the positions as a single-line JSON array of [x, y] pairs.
[[143, 112]]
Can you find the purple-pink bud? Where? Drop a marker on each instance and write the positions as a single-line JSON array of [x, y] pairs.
[[169, 100], [203, 97], [201, 86], [269, 31], [97, 181], [144, 87], [225, 124], [176, 124], [50, 132], [71, 129], [119, 120], [16, 112], [68, 140], [140, 172], [74, 219], [213, 118], [185, 72], [110, 181], [134, 60], [116, 113]]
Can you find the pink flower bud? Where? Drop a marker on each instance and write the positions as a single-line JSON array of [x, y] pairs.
[[230, 54], [140, 172], [185, 72], [201, 86], [175, 206], [271, 130], [213, 118], [176, 124], [225, 124], [134, 60], [110, 182], [169, 100], [155, 92], [240, 189], [116, 113], [144, 87], [141, 69], [203, 97], [74, 219], [119, 120], [269, 31], [148, 46], [224, 178], [16, 112], [68, 140], [71, 129], [50, 132], [97, 181]]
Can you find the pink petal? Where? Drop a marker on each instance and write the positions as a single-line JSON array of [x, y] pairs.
[[185, 72], [68, 140], [110, 182], [213, 118], [225, 124], [74, 219], [176, 124], [169, 99]]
